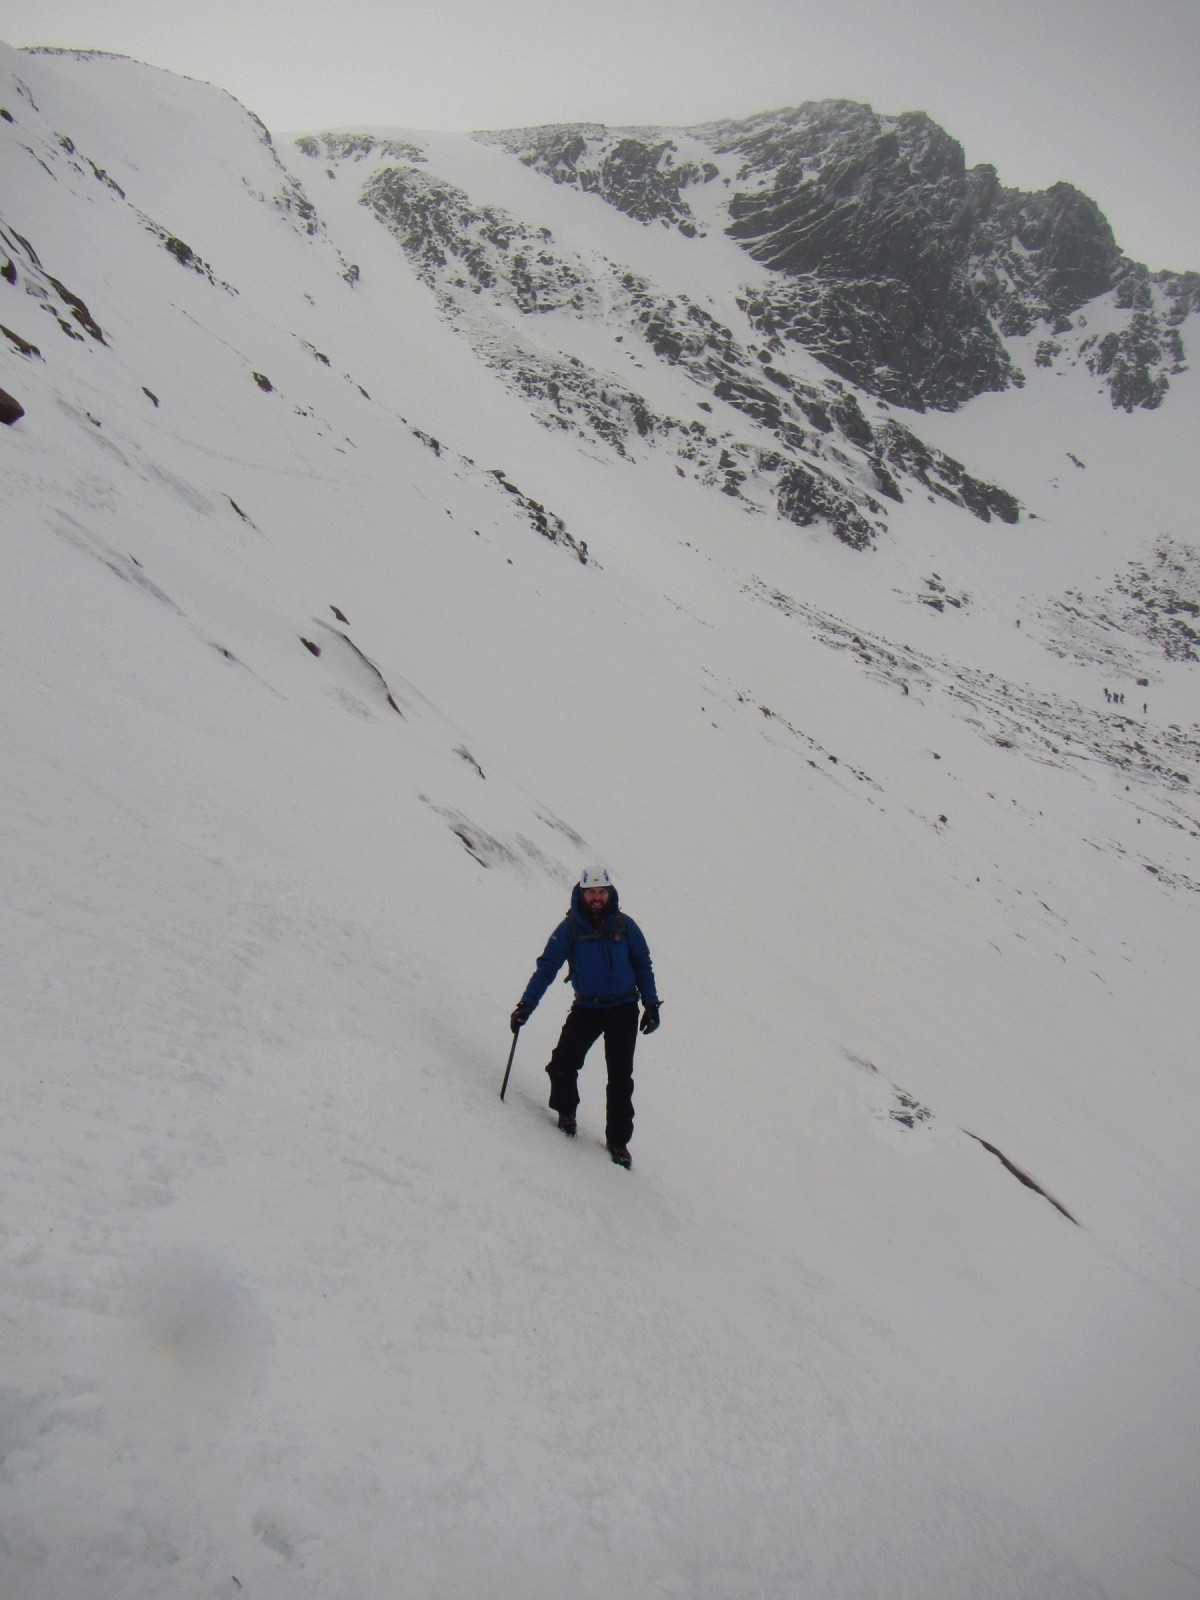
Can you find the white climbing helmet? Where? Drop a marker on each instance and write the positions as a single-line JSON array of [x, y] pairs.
[[595, 878]]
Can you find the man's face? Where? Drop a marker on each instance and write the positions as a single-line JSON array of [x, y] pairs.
[[595, 899]]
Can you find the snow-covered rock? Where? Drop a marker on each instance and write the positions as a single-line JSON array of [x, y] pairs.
[[398, 521]]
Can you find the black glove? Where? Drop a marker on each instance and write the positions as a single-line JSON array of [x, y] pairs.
[[649, 1019], [520, 1016]]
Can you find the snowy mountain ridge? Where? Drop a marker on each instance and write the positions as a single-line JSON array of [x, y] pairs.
[[393, 522], [900, 268]]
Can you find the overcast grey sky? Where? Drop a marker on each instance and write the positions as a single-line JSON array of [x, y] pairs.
[[1102, 93]]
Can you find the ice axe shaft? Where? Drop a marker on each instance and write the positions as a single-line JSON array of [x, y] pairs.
[[508, 1064]]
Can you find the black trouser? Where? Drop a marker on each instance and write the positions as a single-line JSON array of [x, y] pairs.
[[584, 1025]]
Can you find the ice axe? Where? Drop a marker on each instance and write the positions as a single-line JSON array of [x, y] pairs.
[[508, 1063]]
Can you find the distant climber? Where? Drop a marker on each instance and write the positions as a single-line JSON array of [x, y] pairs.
[[609, 967]]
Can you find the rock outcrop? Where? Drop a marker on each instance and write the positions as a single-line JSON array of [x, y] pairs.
[[904, 271], [805, 450], [900, 268], [881, 272]]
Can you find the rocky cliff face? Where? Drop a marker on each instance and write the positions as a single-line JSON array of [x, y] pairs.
[[640, 173], [901, 269], [872, 252], [753, 419], [804, 449]]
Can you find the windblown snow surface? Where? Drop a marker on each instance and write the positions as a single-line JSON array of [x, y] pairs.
[[307, 731]]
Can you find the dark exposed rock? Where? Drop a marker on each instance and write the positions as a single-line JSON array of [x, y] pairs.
[[186, 256], [542, 521], [22, 346], [357, 146], [807, 496], [902, 270], [636, 172], [1136, 360], [1020, 1175], [847, 413], [183, 253], [900, 449], [79, 311], [937, 597], [102, 177], [11, 410], [1128, 360], [1181, 291], [1065, 235], [878, 335], [436, 225]]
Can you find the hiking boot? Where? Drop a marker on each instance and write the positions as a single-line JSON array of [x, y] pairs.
[[566, 1121], [620, 1155]]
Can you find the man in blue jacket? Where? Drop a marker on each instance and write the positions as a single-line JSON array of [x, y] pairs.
[[609, 968]]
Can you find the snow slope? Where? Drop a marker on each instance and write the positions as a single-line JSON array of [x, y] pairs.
[[292, 1304]]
